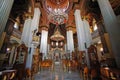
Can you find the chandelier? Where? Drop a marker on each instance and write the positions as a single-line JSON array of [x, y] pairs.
[[57, 36]]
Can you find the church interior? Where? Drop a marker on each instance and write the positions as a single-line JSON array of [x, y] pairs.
[[59, 39]]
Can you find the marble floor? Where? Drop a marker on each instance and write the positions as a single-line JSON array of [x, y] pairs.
[[57, 74]]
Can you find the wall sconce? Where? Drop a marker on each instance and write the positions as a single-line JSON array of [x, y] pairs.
[[101, 49], [8, 49]]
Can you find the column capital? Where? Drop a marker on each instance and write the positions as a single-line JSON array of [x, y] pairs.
[[76, 10], [28, 16], [37, 5], [69, 27], [44, 27]]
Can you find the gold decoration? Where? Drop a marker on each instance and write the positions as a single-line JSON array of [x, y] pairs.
[[57, 36]]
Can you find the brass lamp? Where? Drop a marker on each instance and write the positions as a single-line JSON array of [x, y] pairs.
[[57, 36]]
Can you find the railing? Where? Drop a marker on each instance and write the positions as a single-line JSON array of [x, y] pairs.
[[7, 74], [95, 34], [17, 33], [110, 74]]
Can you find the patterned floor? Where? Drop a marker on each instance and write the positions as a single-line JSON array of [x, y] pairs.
[[57, 74]]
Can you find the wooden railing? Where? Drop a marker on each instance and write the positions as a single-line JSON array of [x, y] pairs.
[[69, 65], [46, 64], [110, 74], [8, 74]]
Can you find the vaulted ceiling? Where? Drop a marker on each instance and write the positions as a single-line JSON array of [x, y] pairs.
[[88, 8]]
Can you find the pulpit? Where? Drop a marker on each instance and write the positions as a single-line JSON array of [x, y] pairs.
[[94, 63], [20, 62]]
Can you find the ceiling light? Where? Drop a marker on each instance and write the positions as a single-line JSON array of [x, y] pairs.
[[57, 36]]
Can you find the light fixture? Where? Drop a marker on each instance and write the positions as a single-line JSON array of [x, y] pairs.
[[16, 25], [101, 49], [95, 27], [57, 36], [8, 49]]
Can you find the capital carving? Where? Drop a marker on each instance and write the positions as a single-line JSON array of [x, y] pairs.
[[44, 27]]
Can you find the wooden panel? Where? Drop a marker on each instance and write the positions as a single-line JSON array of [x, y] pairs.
[[2, 39]]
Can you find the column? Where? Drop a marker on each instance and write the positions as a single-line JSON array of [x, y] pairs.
[[70, 42], [43, 43], [44, 34], [112, 27], [33, 28], [34, 25], [5, 8], [26, 31], [88, 39], [80, 30], [29, 57]]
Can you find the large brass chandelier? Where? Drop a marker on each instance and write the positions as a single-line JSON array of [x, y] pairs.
[[57, 36]]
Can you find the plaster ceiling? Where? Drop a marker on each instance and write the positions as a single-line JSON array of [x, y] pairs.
[[88, 7]]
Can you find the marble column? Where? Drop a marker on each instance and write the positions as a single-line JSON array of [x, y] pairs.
[[70, 42], [44, 34], [112, 27], [5, 8], [88, 39], [80, 30], [25, 32], [29, 57], [33, 28], [34, 25], [43, 43]]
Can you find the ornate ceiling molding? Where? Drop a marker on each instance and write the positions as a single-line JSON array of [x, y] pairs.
[[61, 4]]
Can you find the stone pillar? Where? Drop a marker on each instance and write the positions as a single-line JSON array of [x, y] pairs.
[[112, 27], [70, 42], [34, 25], [44, 34], [88, 39], [26, 31], [29, 57], [80, 30], [33, 28], [43, 43], [5, 8]]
